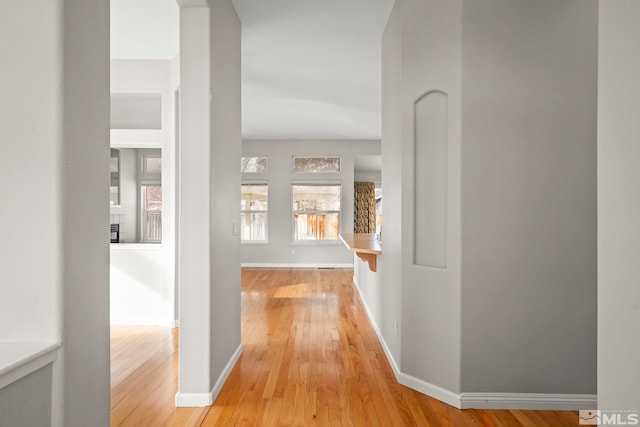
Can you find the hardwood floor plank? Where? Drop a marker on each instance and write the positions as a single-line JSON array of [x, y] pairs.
[[310, 358]]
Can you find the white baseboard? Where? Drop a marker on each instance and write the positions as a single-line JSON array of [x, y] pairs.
[[537, 401], [197, 400], [193, 400], [424, 387], [295, 265]]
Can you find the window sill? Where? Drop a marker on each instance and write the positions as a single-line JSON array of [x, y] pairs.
[[19, 359]]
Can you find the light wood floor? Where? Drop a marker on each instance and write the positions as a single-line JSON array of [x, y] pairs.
[[311, 358]]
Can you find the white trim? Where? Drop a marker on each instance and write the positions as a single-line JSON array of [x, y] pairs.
[[538, 401], [295, 265], [225, 373], [193, 400], [429, 389], [19, 359], [198, 400], [175, 323]]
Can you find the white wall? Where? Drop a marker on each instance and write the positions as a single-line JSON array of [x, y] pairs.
[[529, 196], [280, 250], [618, 206], [137, 296], [367, 176], [31, 176], [194, 207], [56, 146]]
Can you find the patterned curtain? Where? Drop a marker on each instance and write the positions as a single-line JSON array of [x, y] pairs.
[[364, 209]]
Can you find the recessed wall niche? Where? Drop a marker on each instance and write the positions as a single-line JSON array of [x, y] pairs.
[[430, 179]]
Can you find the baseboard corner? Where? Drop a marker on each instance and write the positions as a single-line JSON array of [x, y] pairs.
[[225, 373], [198, 400]]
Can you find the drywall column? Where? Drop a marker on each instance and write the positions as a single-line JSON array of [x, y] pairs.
[[226, 144], [618, 206], [85, 234], [391, 259], [194, 208], [209, 199], [55, 139]]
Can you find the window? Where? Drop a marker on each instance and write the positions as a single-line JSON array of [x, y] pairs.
[[316, 164], [254, 164], [151, 212], [254, 205], [150, 193], [114, 167], [151, 164], [316, 212]]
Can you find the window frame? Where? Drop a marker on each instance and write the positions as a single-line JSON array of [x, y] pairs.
[[318, 156], [146, 178], [143, 167], [143, 209], [335, 241], [250, 211], [256, 157]]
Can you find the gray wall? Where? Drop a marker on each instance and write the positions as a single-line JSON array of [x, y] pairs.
[[280, 249], [27, 402], [225, 179], [618, 206], [85, 289], [390, 261], [529, 196]]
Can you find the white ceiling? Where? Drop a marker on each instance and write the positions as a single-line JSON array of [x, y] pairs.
[[310, 68], [144, 29]]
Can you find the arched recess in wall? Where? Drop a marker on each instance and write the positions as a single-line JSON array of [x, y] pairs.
[[430, 179]]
